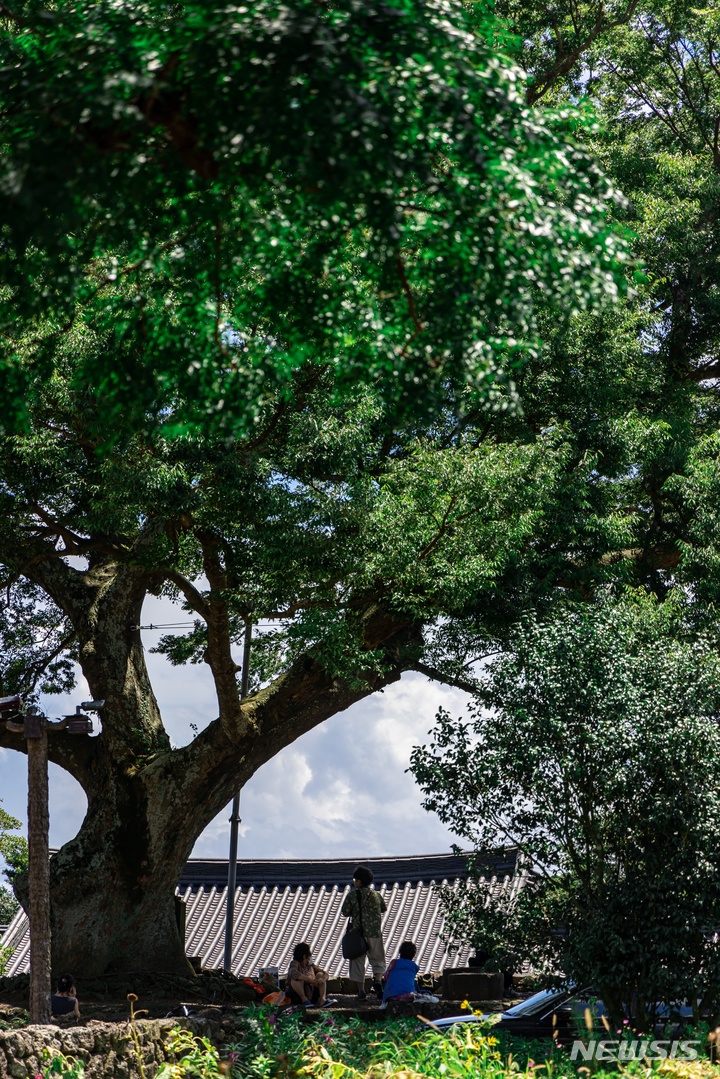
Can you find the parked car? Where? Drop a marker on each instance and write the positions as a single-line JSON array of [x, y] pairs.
[[560, 1012]]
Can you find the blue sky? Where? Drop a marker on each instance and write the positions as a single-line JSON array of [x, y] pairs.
[[340, 791]]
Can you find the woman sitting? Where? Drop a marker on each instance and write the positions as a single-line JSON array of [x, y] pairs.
[[65, 1001], [306, 984]]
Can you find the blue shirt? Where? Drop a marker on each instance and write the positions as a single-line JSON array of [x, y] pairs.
[[400, 978]]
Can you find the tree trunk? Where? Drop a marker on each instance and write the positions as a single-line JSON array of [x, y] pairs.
[[113, 885]]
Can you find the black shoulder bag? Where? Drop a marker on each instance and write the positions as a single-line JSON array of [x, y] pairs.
[[353, 943]]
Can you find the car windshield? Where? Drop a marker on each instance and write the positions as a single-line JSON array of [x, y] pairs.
[[537, 1003]]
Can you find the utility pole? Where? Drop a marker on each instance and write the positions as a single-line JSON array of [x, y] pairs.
[[235, 819], [38, 867]]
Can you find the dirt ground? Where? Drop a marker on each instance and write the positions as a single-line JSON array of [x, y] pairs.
[[213, 995]]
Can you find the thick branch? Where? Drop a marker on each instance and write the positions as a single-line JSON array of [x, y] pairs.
[[657, 557], [41, 563], [705, 373], [446, 679], [165, 108], [218, 654], [224, 756], [194, 599]]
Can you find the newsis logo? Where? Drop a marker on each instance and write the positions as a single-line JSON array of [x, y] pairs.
[[640, 1049]]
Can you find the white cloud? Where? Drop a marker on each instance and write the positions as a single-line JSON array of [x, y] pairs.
[[359, 800]]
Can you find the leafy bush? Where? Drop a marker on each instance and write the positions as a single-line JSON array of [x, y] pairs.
[[13, 850], [8, 905], [197, 1057], [590, 747], [272, 1045]]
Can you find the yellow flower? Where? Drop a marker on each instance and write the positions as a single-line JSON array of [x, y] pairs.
[[465, 1005], [491, 1040]]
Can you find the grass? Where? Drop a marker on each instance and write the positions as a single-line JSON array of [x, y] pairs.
[[272, 1047], [268, 1046]]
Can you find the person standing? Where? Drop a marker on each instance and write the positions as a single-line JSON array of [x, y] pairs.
[[365, 908]]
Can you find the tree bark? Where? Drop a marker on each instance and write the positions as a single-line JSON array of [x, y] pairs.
[[113, 885]]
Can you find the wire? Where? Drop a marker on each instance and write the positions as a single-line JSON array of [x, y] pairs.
[[190, 625]]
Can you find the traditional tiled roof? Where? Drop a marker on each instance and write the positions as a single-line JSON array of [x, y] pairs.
[[279, 903]]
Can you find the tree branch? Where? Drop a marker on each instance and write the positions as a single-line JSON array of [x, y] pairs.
[[567, 60], [225, 755], [419, 328], [438, 676], [194, 599], [40, 562], [75, 753], [42, 666], [218, 654], [657, 557]]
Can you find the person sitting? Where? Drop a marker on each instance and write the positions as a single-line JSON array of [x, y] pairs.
[[399, 978], [305, 983], [65, 1001]]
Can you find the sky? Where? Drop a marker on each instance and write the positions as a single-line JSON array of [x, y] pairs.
[[340, 791]]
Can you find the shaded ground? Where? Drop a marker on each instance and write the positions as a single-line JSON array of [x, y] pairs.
[[213, 995]]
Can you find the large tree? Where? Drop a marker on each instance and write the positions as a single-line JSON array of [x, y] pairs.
[[360, 538], [267, 273], [219, 395]]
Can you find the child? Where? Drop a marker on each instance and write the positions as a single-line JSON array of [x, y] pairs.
[[399, 978]]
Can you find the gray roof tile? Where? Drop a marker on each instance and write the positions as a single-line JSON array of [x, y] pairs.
[[280, 903]]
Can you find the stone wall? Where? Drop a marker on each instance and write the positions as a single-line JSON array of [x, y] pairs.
[[106, 1049]]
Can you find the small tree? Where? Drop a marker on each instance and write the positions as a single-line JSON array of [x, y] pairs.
[[591, 748], [13, 849], [8, 905]]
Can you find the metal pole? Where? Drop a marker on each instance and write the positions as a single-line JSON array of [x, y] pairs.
[[38, 870], [235, 818]]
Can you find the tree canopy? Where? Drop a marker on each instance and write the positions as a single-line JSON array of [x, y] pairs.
[[653, 79], [210, 206]]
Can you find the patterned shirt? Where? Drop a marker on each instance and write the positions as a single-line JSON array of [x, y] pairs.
[[372, 905], [298, 972]]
